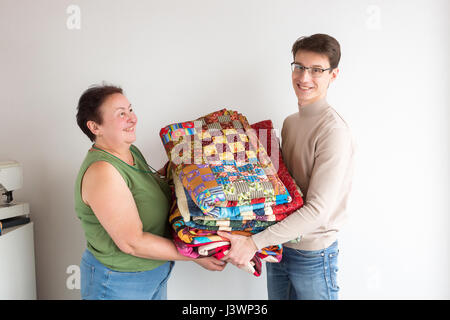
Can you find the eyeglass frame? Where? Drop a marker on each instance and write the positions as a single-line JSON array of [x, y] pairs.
[[303, 68]]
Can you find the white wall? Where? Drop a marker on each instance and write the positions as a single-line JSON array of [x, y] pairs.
[[179, 59]]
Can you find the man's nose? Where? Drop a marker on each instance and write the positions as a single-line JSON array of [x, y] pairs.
[[305, 76]]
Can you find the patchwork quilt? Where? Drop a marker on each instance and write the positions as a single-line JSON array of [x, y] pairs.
[[221, 162], [226, 193]]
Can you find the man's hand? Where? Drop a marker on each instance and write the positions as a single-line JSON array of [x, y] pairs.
[[211, 263], [242, 249]]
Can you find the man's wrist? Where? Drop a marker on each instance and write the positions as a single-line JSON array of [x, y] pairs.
[[252, 244], [257, 241]]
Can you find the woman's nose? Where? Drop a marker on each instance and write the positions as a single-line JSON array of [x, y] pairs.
[[132, 117]]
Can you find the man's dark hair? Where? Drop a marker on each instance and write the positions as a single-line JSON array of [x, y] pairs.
[[322, 44], [89, 106]]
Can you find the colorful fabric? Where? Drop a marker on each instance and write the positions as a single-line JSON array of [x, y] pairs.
[[223, 143], [195, 234], [210, 133], [212, 248], [241, 181], [199, 237], [266, 128], [210, 244], [234, 224], [190, 211], [202, 186], [247, 226], [242, 217]]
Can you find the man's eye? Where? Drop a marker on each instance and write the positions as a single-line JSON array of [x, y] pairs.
[[316, 70], [131, 110]]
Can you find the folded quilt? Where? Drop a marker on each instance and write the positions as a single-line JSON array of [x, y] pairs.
[[250, 226], [197, 185], [191, 235], [190, 209], [234, 224], [221, 163], [198, 246], [260, 211], [229, 184], [266, 128], [253, 266]]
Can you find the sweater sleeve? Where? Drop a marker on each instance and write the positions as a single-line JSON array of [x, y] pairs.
[[332, 155]]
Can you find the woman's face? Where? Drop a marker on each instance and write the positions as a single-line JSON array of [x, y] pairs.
[[119, 121]]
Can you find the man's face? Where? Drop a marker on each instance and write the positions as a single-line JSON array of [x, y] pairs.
[[309, 89]]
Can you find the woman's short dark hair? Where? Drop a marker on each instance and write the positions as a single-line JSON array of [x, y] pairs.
[[89, 106], [320, 43]]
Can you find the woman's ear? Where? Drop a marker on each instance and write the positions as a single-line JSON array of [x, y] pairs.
[[94, 127]]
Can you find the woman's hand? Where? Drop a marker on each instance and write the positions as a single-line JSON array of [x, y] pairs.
[[211, 263]]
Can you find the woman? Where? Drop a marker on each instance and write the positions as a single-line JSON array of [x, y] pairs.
[[123, 207]]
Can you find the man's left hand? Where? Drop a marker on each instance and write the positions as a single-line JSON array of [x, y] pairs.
[[242, 249]]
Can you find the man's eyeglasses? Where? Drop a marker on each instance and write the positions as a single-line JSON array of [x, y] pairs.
[[315, 72]]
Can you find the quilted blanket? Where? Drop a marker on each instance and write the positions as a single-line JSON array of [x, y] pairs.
[[221, 163], [195, 233], [195, 243]]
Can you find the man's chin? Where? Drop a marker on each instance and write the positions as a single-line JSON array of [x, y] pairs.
[[304, 100]]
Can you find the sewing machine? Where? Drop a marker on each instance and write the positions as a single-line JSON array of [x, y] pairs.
[[17, 264], [11, 178]]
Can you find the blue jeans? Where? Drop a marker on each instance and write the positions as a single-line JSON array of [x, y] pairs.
[[101, 283], [304, 275]]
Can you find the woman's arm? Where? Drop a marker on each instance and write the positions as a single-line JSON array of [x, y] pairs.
[[106, 192]]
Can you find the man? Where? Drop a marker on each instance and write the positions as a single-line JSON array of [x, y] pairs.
[[318, 150]]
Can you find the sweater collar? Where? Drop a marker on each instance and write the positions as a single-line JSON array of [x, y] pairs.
[[314, 108]]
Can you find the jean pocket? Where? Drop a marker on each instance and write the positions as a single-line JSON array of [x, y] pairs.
[[165, 276], [87, 278], [310, 253]]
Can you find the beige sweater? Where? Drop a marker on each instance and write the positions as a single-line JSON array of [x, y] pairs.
[[318, 150]]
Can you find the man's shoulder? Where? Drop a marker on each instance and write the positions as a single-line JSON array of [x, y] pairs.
[[334, 127], [292, 117], [332, 119]]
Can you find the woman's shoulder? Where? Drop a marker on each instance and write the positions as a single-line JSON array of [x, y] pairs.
[[101, 171], [100, 177]]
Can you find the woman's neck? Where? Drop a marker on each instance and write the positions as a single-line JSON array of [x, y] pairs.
[[122, 152]]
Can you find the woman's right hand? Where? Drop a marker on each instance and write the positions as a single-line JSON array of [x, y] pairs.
[[211, 263]]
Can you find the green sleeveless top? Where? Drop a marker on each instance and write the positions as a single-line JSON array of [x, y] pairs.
[[153, 199]]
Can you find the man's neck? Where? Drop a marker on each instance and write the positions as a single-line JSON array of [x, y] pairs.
[[304, 103], [313, 108]]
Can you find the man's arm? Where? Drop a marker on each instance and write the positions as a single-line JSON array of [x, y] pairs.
[[333, 153]]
